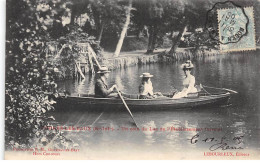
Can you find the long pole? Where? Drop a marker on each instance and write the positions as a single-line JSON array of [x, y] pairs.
[[126, 106], [229, 90]]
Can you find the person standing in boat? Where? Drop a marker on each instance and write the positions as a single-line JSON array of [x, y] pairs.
[[188, 82], [101, 87]]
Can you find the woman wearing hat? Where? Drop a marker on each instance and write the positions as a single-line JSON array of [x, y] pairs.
[[101, 87], [146, 87], [188, 83]]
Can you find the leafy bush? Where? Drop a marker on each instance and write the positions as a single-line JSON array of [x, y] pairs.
[[30, 76]]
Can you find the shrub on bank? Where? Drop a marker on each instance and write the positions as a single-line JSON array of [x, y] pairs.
[[132, 43]]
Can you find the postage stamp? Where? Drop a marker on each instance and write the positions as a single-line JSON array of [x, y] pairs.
[[236, 29]]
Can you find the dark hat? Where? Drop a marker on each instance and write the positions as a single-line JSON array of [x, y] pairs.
[[103, 69], [146, 75]]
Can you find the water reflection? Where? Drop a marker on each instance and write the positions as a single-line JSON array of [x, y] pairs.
[[119, 83], [150, 126], [172, 136], [81, 86], [236, 71]]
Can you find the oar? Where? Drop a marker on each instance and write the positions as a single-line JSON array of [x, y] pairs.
[[229, 90], [204, 89], [126, 105]]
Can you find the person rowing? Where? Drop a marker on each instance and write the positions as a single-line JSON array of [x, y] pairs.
[[188, 82], [101, 87], [102, 91]]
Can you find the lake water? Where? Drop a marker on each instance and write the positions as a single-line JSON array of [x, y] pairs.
[[237, 124]]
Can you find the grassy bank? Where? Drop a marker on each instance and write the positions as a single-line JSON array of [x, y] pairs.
[[131, 43], [139, 57]]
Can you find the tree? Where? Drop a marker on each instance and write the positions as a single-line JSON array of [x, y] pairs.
[[30, 76], [124, 30], [104, 15], [155, 16], [167, 16], [107, 15], [149, 13], [190, 15], [78, 7]]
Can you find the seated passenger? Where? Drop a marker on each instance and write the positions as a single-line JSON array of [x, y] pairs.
[[188, 83], [146, 87], [101, 88]]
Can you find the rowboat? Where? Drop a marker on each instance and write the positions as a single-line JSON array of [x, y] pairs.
[[90, 102]]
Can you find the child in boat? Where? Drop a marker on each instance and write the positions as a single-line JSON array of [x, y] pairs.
[[146, 87], [188, 83], [101, 87]]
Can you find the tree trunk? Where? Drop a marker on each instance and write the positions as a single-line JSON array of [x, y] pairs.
[[177, 40], [171, 35], [124, 30], [152, 39], [98, 22], [100, 34], [73, 15]]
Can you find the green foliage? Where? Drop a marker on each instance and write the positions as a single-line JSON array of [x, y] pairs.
[[29, 75], [65, 62], [110, 14], [25, 113], [199, 40], [166, 16]]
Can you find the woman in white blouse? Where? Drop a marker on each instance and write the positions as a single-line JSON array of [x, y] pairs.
[[188, 83], [146, 87]]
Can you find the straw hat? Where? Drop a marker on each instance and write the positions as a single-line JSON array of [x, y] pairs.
[[187, 65], [146, 75], [103, 69]]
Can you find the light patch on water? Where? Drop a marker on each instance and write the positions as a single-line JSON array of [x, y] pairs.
[[149, 139]]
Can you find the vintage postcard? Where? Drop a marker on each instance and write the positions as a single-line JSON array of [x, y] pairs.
[[132, 79]]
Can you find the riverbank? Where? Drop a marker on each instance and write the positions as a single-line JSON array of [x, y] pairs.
[[138, 57], [126, 59]]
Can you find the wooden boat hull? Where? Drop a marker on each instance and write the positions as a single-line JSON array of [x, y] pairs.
[[92, 103]]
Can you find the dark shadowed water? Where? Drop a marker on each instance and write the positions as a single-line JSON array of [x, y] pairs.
[[238, 124]]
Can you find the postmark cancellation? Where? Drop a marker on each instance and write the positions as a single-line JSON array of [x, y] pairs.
[[236, 29]]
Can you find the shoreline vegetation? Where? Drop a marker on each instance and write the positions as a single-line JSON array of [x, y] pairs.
[[134, 52], [139, 57], [160, 55]]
